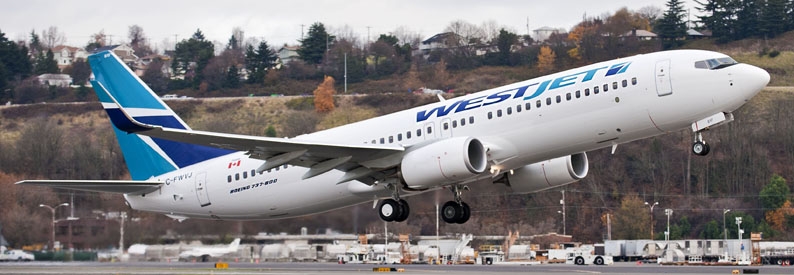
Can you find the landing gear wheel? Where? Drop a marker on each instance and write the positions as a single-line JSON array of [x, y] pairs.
[[404, 211], [465, 213], [451, 212], [700, 148], [389, 210]]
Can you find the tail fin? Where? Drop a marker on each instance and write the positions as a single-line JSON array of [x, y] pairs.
[[146, 157], [234, 245]]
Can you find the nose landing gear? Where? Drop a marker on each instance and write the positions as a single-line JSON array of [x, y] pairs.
[[700, 147]]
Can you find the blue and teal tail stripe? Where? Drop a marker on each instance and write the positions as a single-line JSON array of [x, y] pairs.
[[146, 157]]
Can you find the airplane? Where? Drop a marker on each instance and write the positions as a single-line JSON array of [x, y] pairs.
[[205, 252], [531, 135]]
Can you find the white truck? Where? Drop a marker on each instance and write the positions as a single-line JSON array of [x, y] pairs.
[[580, 256], [15, 255]]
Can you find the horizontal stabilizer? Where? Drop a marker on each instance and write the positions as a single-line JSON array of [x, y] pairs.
[[104, 186]]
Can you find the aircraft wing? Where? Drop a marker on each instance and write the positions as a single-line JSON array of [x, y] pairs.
[[108, 186], [360, 162]]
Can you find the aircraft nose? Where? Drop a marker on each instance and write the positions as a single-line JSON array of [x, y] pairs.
[[756, 77]]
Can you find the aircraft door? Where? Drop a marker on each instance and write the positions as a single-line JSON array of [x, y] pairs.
[[201, 189], [446, 128], [663, 85]]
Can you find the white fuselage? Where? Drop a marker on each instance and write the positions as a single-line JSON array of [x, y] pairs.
[[656, 93]]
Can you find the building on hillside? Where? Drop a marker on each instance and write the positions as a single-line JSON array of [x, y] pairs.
[[66, 55], [123, 51], [142, 64], [693, 34], [439, 41], [288, 54], [543, 34], [59, 80], [641, 35]]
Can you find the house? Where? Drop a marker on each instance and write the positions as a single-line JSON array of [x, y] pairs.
[[123, 51], [439, 41], [142, 64], [544, 33], [641, 35], [65, 55], [60, 80], [288, 53], [693, 34]]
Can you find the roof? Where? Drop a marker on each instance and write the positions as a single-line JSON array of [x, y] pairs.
[[641, 33], [439, 37], [545, 28], [61, 47], [55, 76]]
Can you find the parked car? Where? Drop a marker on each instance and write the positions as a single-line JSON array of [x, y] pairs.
[[16, 255]]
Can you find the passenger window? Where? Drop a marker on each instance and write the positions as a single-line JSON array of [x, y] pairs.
[[382, 140], [408, 134], [399, 137], [614, 85], [595, 90], [229, 178], [374, 142], [454, 124], [527, 106], [237, 176], [490, 115], [278, 167], [587, 92], [446, 125], [391, 139], [548, 101], [568, 96], [253, 173], [633, 81], [559, 99], [429, 130], [578, 94], [509, 110], [418, 132], [537, 103], [625, 83], [518, 108], [499, 113], [245, 174], [471, 120], [285, 166], [606, 87], [462, 122]]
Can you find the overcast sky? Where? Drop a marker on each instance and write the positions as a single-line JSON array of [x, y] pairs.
[[279, 22]]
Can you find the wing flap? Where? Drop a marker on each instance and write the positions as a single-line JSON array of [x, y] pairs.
[[102, 186]]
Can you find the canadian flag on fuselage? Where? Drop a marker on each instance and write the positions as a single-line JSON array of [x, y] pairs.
[[235, 163]]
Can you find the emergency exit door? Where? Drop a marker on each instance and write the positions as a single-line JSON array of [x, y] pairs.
[[663, 85]]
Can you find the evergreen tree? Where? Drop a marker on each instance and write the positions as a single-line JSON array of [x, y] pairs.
[[671, 27], [773, 20], [719, 17], [232, 78], [191, 56], [747, 19], [504, 42], [314, 46], [14, 59], [47, 64], [774, 194], [258, 61]]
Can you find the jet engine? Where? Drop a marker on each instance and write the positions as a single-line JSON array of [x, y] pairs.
[[443, 162], [548, 174]]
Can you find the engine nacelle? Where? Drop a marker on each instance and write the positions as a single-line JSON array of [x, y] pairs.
[[443, 162], [548, 174]]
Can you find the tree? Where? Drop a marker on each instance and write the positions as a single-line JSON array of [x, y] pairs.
[[672, 27], [546, 59], [718, 16], [778, 218], [259, 61], [631, 220], [98, 40], [15, 62], [153, 76], [191, 56], [711, 230], [232, 78], [315, 44], [773, 20], [504, 42], [47, 65], [52, 37], [775, 193], [748, 13], [324, 96], [138, 41], [79, 70]]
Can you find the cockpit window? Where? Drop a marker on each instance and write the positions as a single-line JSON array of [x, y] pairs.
[[715, 63]]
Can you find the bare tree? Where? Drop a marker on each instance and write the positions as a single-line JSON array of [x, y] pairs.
[[239, 36], [406, 35], [651, 13], [348, 34], [490, 30], [138, 41], [52, 37]]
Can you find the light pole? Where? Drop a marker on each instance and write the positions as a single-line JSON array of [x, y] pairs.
[[739, 232], [651, 207], [562, 201], [725, 229], [52, 229], [668, 212]]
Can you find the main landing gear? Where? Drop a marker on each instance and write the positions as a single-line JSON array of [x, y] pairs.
[[700, 147], [456, 211], [394, 209]]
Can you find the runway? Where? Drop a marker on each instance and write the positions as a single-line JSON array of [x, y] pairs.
[[333, 268]]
